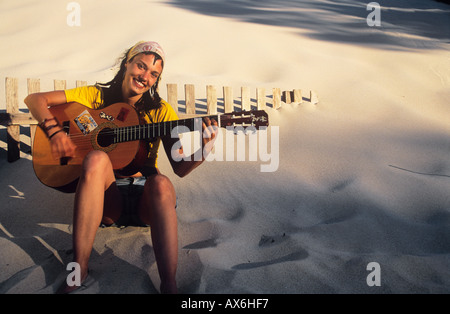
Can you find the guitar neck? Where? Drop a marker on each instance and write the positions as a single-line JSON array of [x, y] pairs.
[[148, 131]]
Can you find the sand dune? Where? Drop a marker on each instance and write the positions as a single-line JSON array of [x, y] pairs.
[[363, 176]]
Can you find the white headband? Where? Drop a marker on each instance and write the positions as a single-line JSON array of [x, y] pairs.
[[146, 46]]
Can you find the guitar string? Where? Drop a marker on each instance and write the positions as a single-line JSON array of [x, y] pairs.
[[129, 133], [145, 130]]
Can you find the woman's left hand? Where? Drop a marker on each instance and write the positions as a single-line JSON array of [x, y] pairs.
[[210, 129]]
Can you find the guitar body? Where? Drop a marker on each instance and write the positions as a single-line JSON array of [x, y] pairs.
[[86, 127]]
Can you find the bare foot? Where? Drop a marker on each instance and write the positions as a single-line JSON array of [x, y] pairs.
[[168, 288], [66, 289]]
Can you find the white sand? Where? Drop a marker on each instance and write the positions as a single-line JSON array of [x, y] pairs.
[[363, 176]]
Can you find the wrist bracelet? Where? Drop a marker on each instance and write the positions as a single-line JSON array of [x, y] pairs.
[[50, 137], [48, 128]]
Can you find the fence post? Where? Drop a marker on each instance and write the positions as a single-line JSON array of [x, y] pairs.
[[12, 107], [228, 99], [211, 99], [260, 98], [245, 98], [276, 98], [172, 96], [313, 98], [81, 83], [298, 95], [34, 86], [287, 97], [59, 84], [189, 91]]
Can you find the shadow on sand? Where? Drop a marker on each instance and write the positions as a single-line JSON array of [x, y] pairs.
[[36, 240], [404, 25]]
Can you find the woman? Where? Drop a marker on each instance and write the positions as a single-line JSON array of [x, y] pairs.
[[98, 197]]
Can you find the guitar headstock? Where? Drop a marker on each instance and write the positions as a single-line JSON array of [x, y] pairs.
[[255, 118]]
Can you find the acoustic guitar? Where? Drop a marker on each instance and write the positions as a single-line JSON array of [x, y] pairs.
[[116, 130]]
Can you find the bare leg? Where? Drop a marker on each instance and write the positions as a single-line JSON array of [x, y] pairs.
[[157, 208], [96, 178]]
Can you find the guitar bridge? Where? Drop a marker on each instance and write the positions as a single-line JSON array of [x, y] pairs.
[[63, 161], [66, 127]]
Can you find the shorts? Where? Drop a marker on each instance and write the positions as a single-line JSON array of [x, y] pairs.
[[131, 190]]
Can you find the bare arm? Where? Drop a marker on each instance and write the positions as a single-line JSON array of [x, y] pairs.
[[38, 104], [187, 165]]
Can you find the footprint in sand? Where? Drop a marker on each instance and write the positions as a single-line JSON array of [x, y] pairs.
[[287, 258], [202, 244]]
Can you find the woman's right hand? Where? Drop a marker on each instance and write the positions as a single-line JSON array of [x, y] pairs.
[[61, 145]]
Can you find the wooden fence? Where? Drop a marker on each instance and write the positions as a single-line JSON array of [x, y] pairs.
[[13, 119]]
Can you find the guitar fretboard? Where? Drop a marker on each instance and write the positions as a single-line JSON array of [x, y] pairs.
[[148, 131]]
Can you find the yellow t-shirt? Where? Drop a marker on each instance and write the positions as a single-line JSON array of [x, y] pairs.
[[91, 97]]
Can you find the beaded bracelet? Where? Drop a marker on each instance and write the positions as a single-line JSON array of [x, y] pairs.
[[60, 130], [48, 128]]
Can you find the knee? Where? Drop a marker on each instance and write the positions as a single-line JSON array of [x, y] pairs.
[[158, 201], [96, 162], [160, 186]]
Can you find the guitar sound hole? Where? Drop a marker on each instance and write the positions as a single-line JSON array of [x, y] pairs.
[[105, 137]]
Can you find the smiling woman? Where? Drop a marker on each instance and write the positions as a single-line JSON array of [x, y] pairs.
[[138, 61], [137, 194]]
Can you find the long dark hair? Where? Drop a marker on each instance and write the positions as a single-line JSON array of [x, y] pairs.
[[112, 90]]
